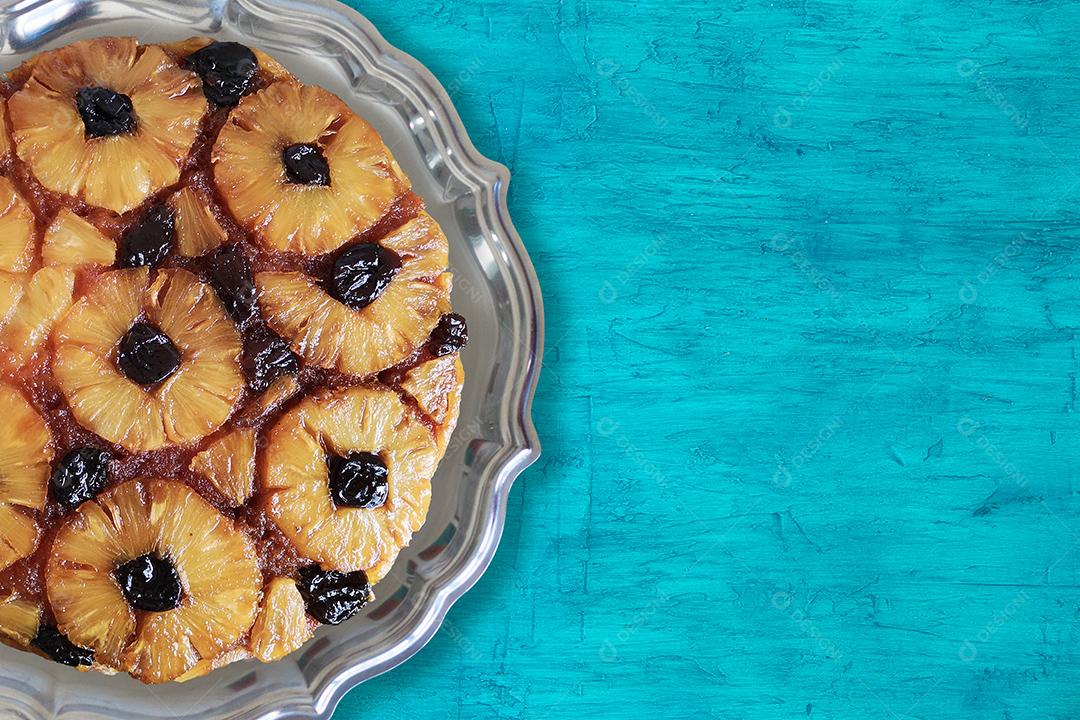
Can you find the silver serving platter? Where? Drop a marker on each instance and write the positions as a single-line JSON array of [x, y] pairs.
[[326, 43]]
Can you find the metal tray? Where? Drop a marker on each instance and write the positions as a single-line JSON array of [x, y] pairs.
[[326, 43]]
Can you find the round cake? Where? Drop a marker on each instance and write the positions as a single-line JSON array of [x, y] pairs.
[[228, 360]]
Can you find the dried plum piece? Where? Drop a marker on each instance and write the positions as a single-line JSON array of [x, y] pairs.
[[333, 597], [80, 476], [358, 480], [227, 70], [150, 240], [105, 112], [146, 355], [361, 273], [150, 583], [450, 335], [55, 644], [305, 164], [230, 276], [266, 358]]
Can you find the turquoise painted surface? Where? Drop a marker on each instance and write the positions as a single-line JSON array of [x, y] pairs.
[[809, 398]]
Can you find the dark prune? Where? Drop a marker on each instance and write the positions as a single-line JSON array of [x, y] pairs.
[[230, 276], [105, 112], [150, 582], [266, 358], [227, 70], [150, 240], [52, 642], [450, 335], [146, 355], [333, 597], [362, 273], [305, 165], [358, 480], [80, 476]]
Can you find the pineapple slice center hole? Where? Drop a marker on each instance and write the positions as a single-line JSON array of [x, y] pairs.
[[146, 355], [305, 165], [150, 582], [361, 273], [105, 112], [358, 480]]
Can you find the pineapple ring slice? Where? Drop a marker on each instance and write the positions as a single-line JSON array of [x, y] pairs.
[[16, 229], [192, 402], [19, 620], [197, 230], [44, 297], [216, 563], [436, 387], [12, 288], [283, 625], [295, 481], [117, 172], [330, 334], [25, 454], [71, 241], [5, 129], [293, 217], [229, 464]]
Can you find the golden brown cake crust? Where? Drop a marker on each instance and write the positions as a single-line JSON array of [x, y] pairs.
[[225, 340]]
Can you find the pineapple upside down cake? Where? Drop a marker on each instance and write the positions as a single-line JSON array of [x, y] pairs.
[[228, 360]]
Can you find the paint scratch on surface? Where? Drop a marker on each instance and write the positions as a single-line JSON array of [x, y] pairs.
[[802, 532], [934, 450], [897, 458], [1008, 494]]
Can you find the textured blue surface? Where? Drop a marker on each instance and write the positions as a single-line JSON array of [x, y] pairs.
[[809, 393]]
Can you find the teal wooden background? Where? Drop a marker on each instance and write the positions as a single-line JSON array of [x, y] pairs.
[[810, 387]]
